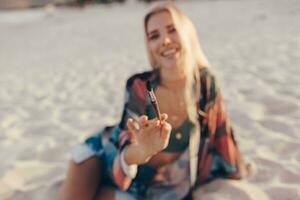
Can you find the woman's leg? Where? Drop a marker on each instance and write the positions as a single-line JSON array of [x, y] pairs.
[[82, 181], [105, 193], [113, 194]]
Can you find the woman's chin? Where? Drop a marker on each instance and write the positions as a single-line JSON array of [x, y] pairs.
[[170, 66]]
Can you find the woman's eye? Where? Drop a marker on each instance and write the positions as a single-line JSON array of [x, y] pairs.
[[153, 37], [172, 30]]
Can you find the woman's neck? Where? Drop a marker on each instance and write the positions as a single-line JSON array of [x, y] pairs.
[[172, 79]]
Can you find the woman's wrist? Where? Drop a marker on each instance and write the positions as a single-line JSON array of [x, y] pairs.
[[129, 170], [135, 154]]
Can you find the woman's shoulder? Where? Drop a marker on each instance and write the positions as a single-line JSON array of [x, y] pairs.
[[206, 73], [136, 86], [209, 85], [141, 78]]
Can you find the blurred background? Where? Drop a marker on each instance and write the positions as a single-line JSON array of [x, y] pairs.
[[23, 4], [63, 66]]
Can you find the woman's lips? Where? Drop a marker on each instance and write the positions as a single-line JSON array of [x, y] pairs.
[[169, 53]]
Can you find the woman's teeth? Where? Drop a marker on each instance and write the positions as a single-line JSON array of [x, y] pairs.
[[169, 52]]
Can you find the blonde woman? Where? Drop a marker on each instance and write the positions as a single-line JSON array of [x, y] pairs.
[[146, 158]]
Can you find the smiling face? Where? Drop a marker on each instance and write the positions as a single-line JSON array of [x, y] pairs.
[[163, 41]]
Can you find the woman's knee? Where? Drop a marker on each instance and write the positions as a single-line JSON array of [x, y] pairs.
[[82, 180]]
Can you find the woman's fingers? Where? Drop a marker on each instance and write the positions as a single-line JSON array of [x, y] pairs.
[[165, 131], [144, 121], [152, 126], [145, 125], [164, 117], [132, 126]]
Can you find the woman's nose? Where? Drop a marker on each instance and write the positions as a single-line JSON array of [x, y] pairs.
[[166, 40]]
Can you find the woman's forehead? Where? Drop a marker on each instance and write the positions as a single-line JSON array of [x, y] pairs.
[[159, 20]]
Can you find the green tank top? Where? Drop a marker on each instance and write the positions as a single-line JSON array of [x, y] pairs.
[[179, 139]]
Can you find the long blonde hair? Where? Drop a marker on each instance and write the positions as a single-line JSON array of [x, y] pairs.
[[194, 58]]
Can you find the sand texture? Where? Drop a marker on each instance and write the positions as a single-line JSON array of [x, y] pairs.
[[63, 72]]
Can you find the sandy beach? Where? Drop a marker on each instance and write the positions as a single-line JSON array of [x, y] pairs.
[[62, 70]]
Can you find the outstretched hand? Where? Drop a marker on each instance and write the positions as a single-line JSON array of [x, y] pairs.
[[151, 136]]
